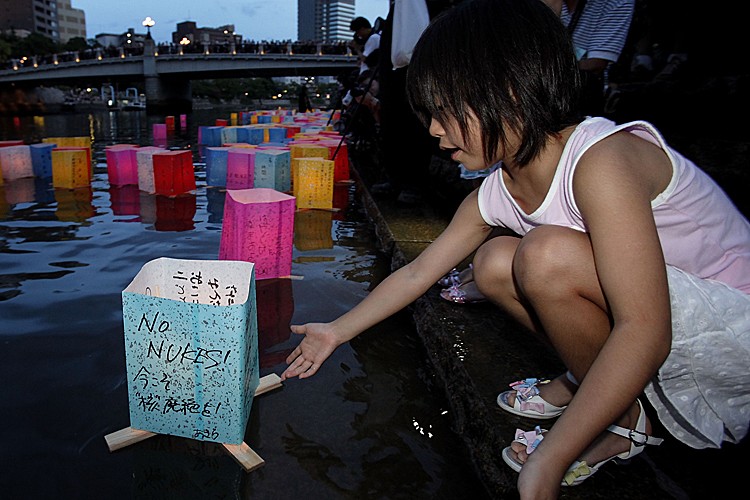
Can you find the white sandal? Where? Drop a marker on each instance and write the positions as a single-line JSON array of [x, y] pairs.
[[528, 402], [580, 470]]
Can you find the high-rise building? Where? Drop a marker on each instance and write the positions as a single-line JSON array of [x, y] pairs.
[[23, 17], [324, 20], [71, 21]]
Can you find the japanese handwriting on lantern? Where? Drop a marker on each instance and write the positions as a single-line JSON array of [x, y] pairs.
[[215, 297]]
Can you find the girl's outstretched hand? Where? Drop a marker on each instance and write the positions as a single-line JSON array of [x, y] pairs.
[[306, 358]]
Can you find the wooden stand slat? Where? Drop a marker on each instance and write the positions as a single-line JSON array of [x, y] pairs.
[[268, 383], [242, 453], [245, 456], [126, 437]]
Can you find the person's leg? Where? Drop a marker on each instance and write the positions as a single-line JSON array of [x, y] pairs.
[[547, 282]]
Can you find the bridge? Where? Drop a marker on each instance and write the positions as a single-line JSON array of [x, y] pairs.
[[167, 76]]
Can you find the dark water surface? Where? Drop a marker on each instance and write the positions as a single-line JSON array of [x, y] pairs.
[[370, 424]]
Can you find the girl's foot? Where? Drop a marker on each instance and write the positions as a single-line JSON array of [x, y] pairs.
[[465, 293], [558, 391]]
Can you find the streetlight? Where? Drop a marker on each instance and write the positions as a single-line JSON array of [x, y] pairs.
[[184, 43], [148, 23]]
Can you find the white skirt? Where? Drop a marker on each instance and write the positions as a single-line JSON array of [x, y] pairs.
[[702, 391]]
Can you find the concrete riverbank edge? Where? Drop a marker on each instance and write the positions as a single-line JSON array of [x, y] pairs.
[[476, 351]]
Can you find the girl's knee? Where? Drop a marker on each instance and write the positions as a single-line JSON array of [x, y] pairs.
[[547, 254]]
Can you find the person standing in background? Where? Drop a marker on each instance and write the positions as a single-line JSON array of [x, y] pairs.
[[365, 42], [599, 29]]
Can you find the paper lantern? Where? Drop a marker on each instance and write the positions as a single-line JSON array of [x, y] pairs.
[[312, 230], [273, 169], [233, 118], [15, 162], [250, 135], [191, 348], [41, 159], [4, 144], [220, 122], [264, 118], [258, 227], [216, 166], [122, 164], [173, 172], [229, 134], [125, 199], [74, 142], [183, 122], [341, 161], [169, 122], [240, 168], [313, 182], [160, 132], [70, 168], [144, 160], [175, 213], [209, 136], [276, 134]]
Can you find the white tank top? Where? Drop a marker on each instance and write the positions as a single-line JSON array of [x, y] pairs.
[[700, 229]]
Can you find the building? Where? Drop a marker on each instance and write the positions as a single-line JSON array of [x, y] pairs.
[[23, 17], [324, 20], [223, 35], [128, 39], [71, 21]]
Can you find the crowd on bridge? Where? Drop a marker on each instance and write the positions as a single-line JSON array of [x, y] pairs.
[[245, 47]]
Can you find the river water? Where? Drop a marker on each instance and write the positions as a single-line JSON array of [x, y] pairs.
[[370, 424]]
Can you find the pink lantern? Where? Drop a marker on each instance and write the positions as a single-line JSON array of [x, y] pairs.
[[258, 227], [122, 164], [240, 168]]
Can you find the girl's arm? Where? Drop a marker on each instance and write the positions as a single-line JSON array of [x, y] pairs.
[[614, 185], [463, 235]]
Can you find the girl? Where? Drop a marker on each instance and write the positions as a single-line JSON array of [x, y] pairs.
[[630, 260]]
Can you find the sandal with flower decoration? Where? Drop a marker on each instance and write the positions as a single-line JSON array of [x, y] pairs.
[[528, 402], [450, 279], [463, 293], [580, 470]]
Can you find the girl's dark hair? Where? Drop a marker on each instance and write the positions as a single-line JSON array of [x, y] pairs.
[[511, 62]]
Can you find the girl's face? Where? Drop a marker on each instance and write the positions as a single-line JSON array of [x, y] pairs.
[[468, 152]]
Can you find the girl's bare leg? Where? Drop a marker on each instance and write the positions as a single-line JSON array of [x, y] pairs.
[[547, 281]]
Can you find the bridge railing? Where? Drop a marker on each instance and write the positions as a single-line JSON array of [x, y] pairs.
[[109, 54]]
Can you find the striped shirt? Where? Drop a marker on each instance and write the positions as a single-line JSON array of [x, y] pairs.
[[602, 28]]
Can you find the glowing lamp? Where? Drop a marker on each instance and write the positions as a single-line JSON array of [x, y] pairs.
[[341, 162], [144, 158], [41, 159], [258, 227], [233, 119], [169, 122], [273, 169], [221, 122], [240, 168], [250, 134], [122, 164], [229, 134], [70, 168], [191, 348], [160, 132], [15, 162], [313, 182], [216, 166], [173, 172]]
